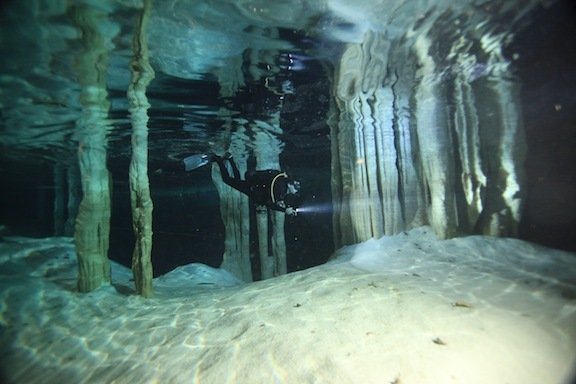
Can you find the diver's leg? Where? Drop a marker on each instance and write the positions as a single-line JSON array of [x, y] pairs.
[[223, 170], [235, 182], [234, 168]]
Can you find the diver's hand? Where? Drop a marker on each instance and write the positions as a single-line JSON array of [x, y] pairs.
[[291, 211]]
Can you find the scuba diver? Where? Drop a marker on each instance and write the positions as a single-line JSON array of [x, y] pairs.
[[271, 188]]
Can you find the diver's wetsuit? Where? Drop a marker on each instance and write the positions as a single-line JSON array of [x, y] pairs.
[[263, 187]]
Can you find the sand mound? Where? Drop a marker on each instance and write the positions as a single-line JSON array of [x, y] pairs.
[[402, 309]]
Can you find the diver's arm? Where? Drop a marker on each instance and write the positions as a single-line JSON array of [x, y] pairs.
[[277, 207], [281, 207]]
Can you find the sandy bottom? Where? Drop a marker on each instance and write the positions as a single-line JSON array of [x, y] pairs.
[[442, 315]]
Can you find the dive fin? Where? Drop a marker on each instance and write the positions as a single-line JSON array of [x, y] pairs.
[[196, 161]]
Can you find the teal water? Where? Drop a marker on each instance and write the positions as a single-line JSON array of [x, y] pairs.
[[40, 43]]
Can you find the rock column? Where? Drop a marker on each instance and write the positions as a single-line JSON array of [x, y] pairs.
[[142, 75], [91, 235]]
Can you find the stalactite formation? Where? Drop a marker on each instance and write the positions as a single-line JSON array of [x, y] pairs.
[[257, 137], [234, 210], [364, 158], [270, 224], [142, 75], [234, 205], [435, 143], [92, 229], [415, 144]]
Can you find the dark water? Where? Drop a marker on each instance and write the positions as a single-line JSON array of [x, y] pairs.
[[546, 69], [37, 130]]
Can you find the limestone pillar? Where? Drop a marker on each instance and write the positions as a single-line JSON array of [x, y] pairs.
[[503, 144], [435, 143], [234, 210], [142, 75], [364, 152], [270, 224], [234, 205], [91, 235]]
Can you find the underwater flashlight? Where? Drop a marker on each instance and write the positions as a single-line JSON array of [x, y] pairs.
[[315, 208]]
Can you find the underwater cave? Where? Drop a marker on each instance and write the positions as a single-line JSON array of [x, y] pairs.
[[148, 148]]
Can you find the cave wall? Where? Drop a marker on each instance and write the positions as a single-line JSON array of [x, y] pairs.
[[426, 131]]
